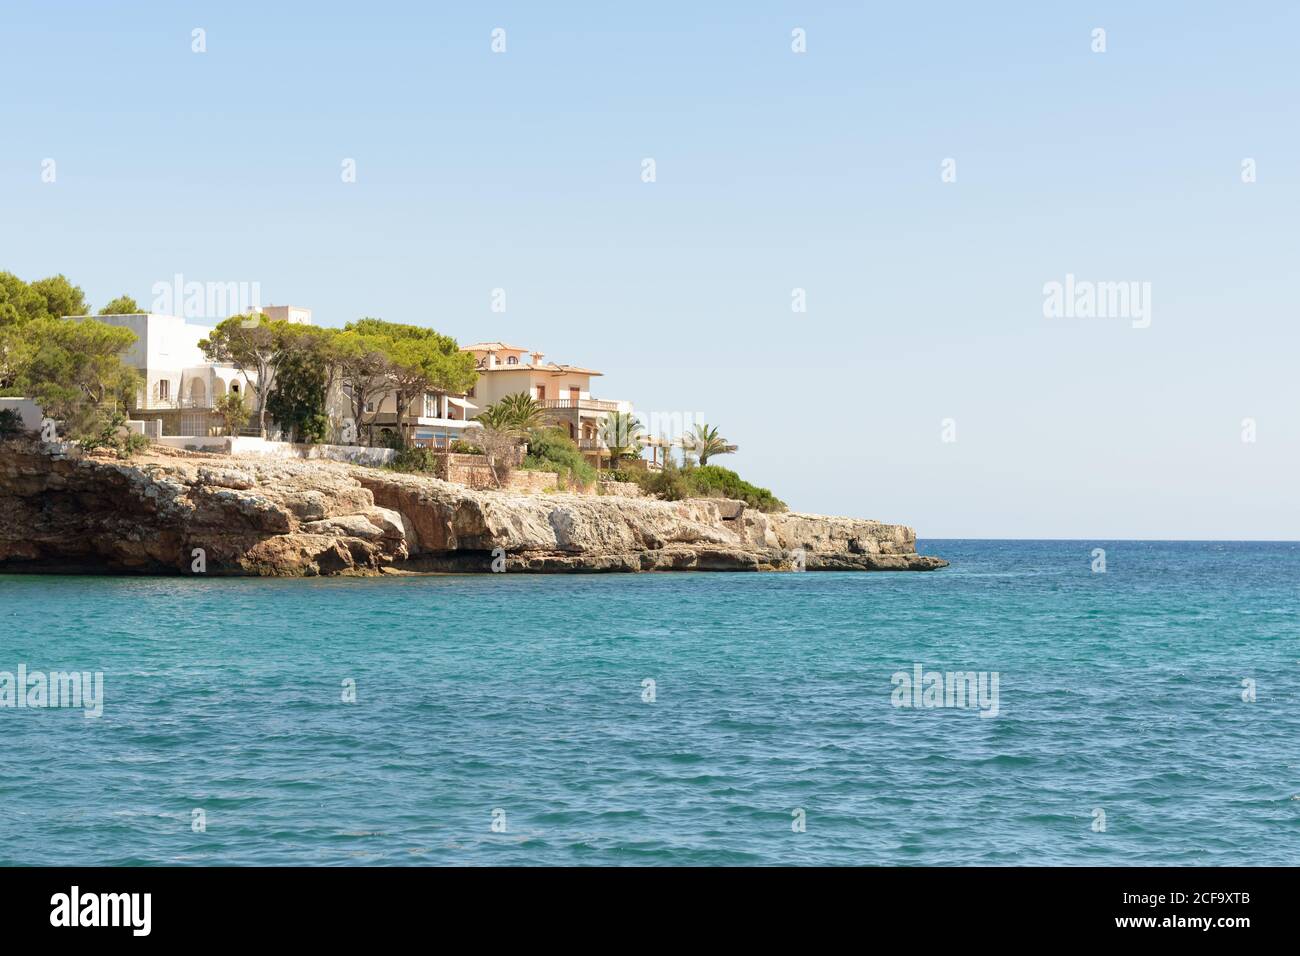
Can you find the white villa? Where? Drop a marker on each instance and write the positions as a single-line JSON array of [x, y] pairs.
[[564, 391], [179, 386]]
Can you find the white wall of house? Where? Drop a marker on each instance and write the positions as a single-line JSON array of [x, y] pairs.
[[262, 448], [28, 409], [165, 346], [295, 314], [174, 370], [162, 341]]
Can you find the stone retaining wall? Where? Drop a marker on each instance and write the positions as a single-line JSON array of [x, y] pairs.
[[625, 489], [532, 482], [262, 448]]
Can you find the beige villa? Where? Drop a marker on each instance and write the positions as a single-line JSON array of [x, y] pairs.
[[564, 391]]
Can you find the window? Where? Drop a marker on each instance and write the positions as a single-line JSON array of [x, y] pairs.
[[512, 360], [470, 393], [164, 389]]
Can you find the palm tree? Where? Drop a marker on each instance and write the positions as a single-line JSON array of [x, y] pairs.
[[622, 434], [705, 441], [499, 435], [522, 410], [497, 418]]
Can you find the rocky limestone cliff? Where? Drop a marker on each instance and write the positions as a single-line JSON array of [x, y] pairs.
[[271, 517]]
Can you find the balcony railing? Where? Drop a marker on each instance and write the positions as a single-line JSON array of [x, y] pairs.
[[441, 442], [173, 404], [583, 404], [592, 444]]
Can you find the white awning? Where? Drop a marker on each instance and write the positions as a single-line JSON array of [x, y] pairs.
[[446, 423], [461, 403]]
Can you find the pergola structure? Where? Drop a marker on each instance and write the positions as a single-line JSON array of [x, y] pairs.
[[659, 449]]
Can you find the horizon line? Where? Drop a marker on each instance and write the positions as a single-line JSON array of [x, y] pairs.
[[1136, 540]]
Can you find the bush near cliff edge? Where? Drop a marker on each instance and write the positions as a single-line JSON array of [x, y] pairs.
[[415, 459], [111, 433], [11, 424], [549, 449], [714, 480], [674, 482]]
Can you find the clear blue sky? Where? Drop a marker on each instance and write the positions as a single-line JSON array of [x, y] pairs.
[[775, 171]]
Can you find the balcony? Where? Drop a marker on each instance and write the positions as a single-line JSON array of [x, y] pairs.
[[581, 404], [173, 404]]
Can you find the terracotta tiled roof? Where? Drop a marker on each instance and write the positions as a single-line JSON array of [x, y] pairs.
[[548, 367], [492, 347]]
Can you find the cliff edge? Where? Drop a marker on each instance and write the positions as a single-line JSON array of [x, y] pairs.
[[182, 512]]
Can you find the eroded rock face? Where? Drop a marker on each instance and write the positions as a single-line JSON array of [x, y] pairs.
[[274, 517]]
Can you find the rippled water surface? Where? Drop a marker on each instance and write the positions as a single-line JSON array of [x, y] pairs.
[[1120, 692]]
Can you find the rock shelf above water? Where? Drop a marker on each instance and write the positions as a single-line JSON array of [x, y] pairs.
[[159, 513]]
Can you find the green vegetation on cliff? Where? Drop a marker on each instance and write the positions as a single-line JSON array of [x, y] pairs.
[[675, 482]]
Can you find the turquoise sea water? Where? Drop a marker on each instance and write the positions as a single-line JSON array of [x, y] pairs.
[[1120, 692]]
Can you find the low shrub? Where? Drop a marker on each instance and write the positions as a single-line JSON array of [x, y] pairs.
[[414, 459], [132, 445], [674, 482], [669, 483], [110, 432], [550, 449], [314, 429], [11, 423], [626, 476], [714, 481]]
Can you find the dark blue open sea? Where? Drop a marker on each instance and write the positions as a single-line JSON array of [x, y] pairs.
[[1124, 733]]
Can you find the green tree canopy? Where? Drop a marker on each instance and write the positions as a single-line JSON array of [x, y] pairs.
[[122, 305], [73, 369], [15, 353], [298, 400], [308, 370], [418, 360], [364, 369], [253, 344], [52, 298], [61, 297], [18, 303], [440, 359]]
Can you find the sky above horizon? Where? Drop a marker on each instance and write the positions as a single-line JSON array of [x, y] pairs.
[[923, 384]]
